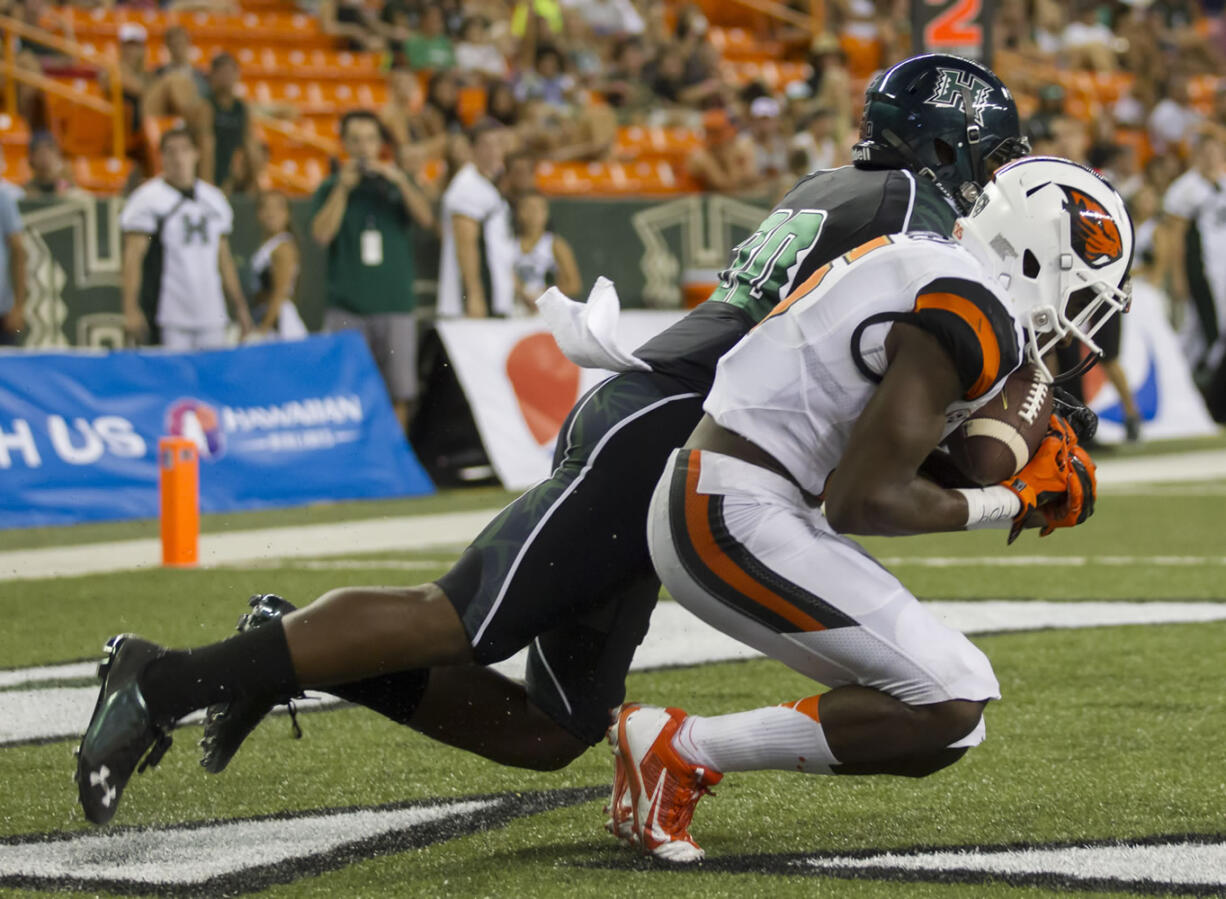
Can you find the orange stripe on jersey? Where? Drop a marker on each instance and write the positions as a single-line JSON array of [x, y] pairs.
[[806, 706], [867, 247], [973, 316], [810, 282], [698, 524]]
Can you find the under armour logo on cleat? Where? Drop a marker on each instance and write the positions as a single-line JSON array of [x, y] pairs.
[[98, 779]]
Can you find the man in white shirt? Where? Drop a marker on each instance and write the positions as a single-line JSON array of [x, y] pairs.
[[477, 281], [176, 255], [1194, 214]]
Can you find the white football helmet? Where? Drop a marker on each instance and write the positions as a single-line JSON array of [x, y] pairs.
[[1058, 238]]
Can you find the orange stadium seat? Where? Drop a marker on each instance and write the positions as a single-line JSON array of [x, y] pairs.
[[316, 97], [101, 175], [863, 54], [612, 179], [650, 143], [14, 131], [237, 29], [80, 131], [471, 104], [774, 74]]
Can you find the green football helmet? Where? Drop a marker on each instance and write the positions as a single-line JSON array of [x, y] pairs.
[[944, 118]]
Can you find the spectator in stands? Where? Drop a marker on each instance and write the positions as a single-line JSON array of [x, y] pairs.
[[222, 121], [724, 163], [177, 269], [400, 115], [248, 173], [831, 82], [579, 46], [274, 267], [362, 215], [350, 19], [628, 88], [177, 86], [476, 217], [501, 105], [610, 18], [412, 160], [1173, 119], [816, 140], [1086, 42], [13, 278], [536, 18], [440, 115], [541, 257], [50, 177], [546, 81], [768, 146], [520, 175], [430, 47], [476, 51], [132, 75]]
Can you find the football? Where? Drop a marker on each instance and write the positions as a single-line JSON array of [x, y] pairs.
[[999, 438]]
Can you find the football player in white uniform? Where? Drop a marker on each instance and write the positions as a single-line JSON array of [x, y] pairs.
[[837, 397]]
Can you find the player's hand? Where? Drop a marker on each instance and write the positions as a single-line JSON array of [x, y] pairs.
[[1058, 483], [135, 325]]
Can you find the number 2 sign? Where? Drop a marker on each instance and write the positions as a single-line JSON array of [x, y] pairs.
[[963, 27]]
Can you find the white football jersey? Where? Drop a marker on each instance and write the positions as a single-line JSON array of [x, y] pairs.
[[793, 385], [187, 230]]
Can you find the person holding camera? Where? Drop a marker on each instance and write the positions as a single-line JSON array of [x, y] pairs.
[[363, 215]]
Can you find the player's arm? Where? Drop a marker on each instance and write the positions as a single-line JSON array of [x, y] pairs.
[[876, 489], [230, 283], [135, 246], [467, 234]]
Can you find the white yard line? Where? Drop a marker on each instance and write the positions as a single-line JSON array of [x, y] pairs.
[[444, 530], [675, 638]]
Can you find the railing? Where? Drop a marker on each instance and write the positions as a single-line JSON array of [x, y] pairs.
[[812, 23], [14, 29], [308, 138]]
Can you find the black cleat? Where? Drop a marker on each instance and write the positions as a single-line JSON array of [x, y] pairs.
[[120, 730], [227, 724]]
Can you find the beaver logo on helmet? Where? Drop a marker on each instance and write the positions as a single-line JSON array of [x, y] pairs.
[[1095, 234]]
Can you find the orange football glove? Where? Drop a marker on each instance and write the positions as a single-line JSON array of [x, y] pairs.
[[1058, 481]]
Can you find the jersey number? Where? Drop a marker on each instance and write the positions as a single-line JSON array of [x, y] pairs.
[[767, 257]]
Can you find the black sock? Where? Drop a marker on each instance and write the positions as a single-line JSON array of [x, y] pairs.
[[254, 663], [395, 695]]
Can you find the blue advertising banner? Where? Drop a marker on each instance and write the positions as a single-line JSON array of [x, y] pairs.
[[277, 424]]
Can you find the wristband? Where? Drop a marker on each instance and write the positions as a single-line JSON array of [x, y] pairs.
[[990, 507]]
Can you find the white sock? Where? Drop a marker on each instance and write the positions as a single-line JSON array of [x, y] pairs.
[[776, 737]]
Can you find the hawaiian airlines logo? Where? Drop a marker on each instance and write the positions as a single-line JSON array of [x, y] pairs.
[[199, 423], [1095, 234], [954, 88]]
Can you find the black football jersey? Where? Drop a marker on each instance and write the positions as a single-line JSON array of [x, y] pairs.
[[825, 215]]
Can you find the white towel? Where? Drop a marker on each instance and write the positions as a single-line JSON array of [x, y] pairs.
[[587, 332]]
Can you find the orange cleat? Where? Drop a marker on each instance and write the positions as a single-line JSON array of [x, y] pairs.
[[664, 788]]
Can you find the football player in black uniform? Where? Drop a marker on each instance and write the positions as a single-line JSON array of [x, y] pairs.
[[564, 569]]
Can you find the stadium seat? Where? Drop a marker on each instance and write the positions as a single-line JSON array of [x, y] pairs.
[[79, 131], [741, 44], [101, 175], [14, 131], [233, 30], [635, 143]]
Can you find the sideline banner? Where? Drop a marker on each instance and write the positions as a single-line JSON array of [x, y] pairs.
[[277, 424], [1157, 374], [520, 387]]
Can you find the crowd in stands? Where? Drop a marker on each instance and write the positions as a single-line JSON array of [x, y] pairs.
[[1130, 87]]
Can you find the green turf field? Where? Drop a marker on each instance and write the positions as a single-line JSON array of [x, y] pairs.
[[1103, 734]]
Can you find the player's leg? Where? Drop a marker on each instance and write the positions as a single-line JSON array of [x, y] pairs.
[[736, 545]]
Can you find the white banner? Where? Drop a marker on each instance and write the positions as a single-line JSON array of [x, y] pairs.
[[1157, 374], [520, 387]]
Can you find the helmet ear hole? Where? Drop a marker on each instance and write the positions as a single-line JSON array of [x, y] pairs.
[[1030, 265], [946, 155]]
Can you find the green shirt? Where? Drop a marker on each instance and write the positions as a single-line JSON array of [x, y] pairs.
[[429, 52], [362, 285]]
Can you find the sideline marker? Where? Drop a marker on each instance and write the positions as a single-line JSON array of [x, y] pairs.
[[179, 486]]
